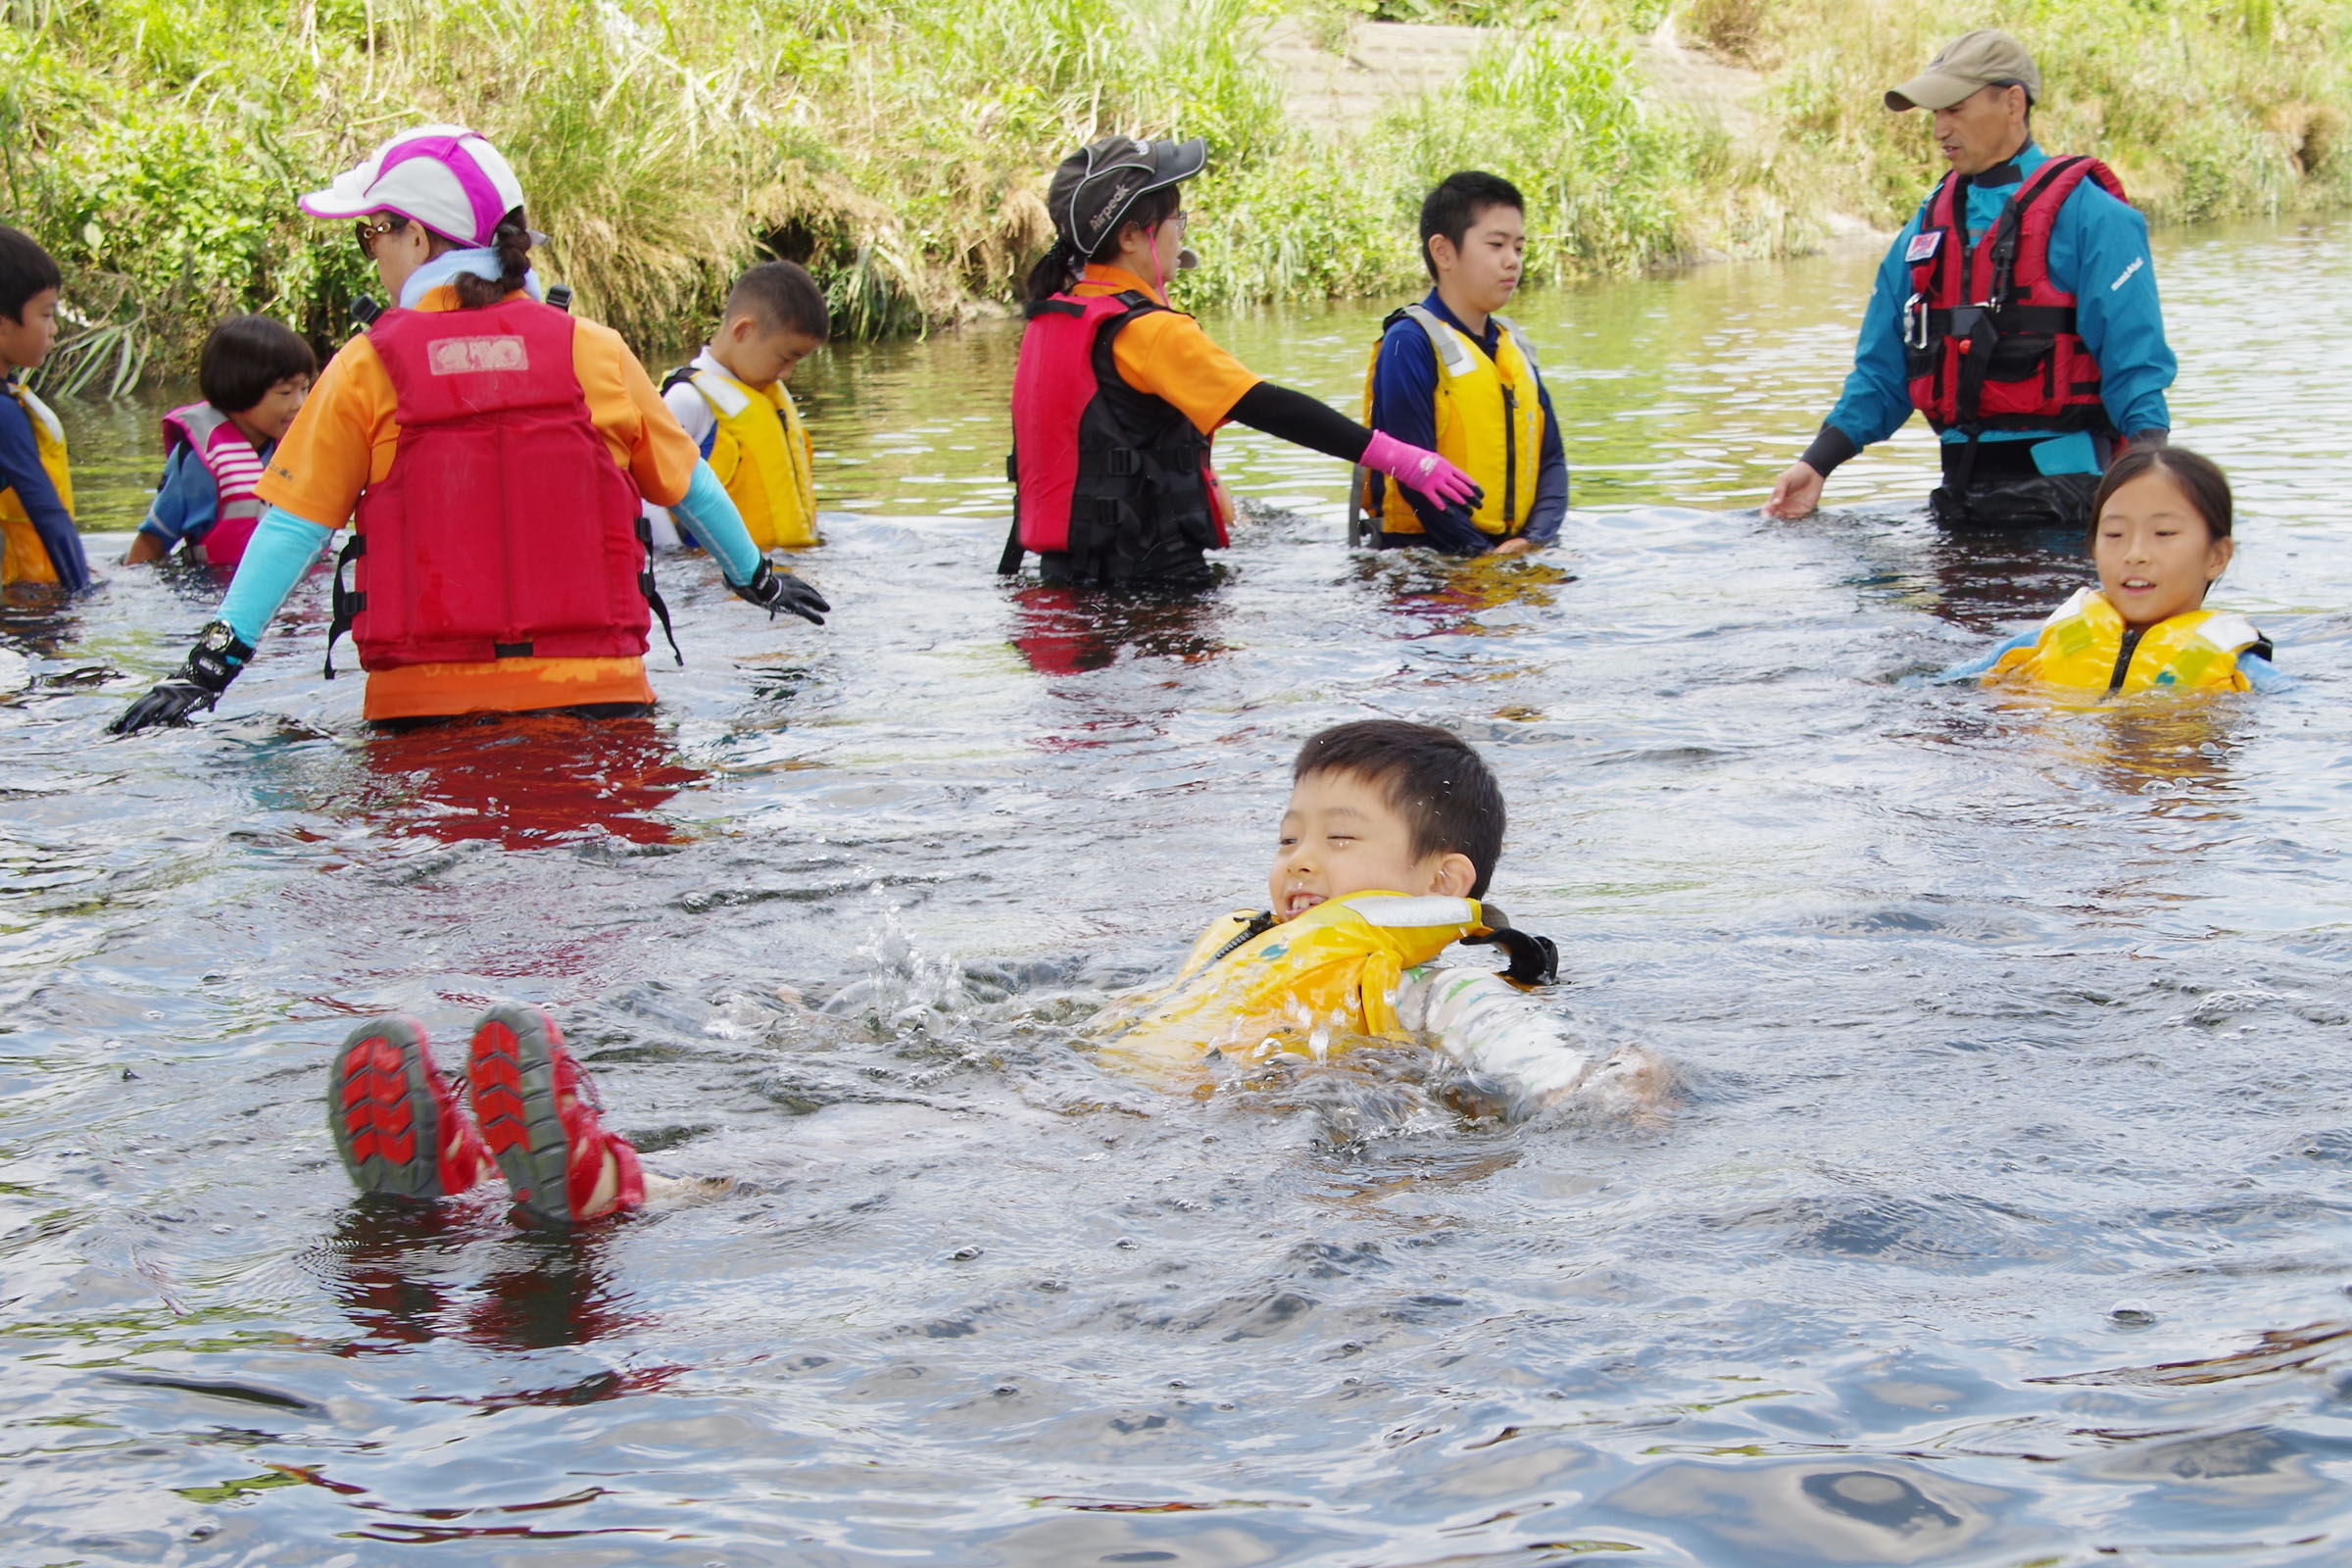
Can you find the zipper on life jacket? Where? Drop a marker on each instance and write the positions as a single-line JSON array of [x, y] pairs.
[[2123, 659], [1510, 457]]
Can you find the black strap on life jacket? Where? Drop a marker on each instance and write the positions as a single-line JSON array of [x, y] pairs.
[[1534, 960], [653, 595], [346, 602]]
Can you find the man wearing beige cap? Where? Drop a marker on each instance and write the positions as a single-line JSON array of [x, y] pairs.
[[2017, 309]]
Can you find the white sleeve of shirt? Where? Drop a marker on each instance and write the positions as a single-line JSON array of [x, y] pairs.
[[693, 412], [1536, 1055]]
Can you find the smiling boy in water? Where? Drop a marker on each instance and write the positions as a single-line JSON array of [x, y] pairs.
[[1386, 848]]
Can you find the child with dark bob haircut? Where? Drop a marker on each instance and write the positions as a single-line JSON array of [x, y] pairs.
[[254, 374], [2161, 535]]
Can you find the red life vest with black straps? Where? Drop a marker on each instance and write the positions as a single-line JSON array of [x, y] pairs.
[[1101, 470], [1990, 340], [235, 466], [504, 530]]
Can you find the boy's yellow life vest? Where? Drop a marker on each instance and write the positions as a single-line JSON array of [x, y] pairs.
[[1247, 986], [1490, 417], [2084, 644], [763, 455], [22, 556]]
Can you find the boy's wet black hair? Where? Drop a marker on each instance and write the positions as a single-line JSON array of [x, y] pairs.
[[1439, 785], [25, 270], [1456, 205], [245, 356], [2200, 478], [781, 297]]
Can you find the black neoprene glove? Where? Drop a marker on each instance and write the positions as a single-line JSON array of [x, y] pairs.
[[218, 657], [781, 592]]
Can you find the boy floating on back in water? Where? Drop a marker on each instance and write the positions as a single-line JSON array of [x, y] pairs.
[[1390, 837], [1451, 374]]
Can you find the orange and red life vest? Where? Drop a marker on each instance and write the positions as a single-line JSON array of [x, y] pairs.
[[504, 530], [1100, 469]]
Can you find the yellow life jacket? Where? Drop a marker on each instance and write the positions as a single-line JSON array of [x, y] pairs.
[[763, 455], [22, 556], [2084, 644], [1250, 987], [1490, 419]]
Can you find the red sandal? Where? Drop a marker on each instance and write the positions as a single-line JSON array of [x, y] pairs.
[[397, 1122], [538, 1111]]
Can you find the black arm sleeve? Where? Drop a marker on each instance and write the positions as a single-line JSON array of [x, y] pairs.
[[1300, 420]]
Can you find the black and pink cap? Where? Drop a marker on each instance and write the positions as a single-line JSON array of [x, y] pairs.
[[443, 177]]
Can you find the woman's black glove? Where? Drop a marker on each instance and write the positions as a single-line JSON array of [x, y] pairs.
[[217, 658], [775, 592]]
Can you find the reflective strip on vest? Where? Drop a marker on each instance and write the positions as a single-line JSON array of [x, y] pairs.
[[22, 556], [1490, 424], [762, 453], [2082, 644]]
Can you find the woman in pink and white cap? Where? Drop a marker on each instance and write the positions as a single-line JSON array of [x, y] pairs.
[[492, 452]]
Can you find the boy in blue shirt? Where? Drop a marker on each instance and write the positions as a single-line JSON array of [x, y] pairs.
[[1451, 375], [37, 539]]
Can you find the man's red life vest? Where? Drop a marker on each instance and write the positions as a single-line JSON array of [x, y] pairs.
[[505, 529], [235, 466], [1101, 470], [1989, 341]]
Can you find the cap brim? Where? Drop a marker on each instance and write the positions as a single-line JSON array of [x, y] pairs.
[[338, 201], [1932, 90], [1176, 161]]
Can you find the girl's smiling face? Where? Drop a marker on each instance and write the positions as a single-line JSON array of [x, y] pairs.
[[2155, 553]]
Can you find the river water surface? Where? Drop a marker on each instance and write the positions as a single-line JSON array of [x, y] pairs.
[[2002, 1213]]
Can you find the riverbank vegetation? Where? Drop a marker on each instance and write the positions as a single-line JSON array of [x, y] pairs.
[[899, 147]]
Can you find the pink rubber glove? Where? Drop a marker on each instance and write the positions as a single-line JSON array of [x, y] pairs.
[[1422, 469]]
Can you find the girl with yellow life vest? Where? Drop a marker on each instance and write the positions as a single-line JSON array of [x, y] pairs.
[[1452, 373], [2160, 536], [37, 539], [733, 403]]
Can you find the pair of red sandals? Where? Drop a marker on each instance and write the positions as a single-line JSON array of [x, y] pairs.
[[402, 1132]]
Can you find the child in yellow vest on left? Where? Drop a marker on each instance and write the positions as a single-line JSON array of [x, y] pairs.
[[37, 538], [731, 399]]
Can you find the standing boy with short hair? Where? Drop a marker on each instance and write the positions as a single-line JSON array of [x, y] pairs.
[[731, 399], [1451, 374], [37, 538]]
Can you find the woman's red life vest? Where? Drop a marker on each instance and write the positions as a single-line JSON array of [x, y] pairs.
[[505, 529], [1989, 341], [235, 466], [1101, 470]]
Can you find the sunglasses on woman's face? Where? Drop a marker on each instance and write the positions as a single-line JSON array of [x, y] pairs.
[[369, 232]]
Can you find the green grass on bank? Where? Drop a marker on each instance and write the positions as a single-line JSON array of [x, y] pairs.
[[899, 147]]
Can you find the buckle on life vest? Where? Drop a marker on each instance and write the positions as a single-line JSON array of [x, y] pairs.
[[1122, 463], [1915, 323]]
